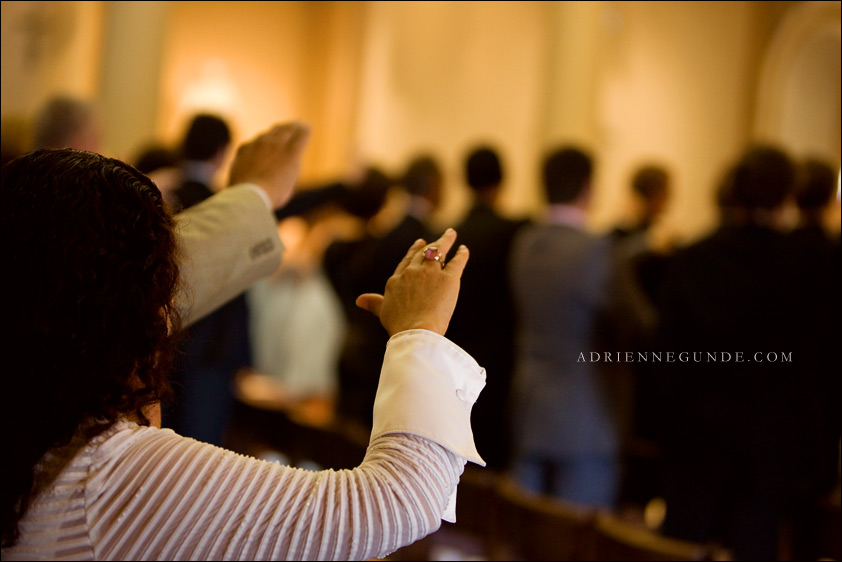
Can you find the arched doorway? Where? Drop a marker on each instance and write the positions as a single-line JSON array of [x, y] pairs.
[[798, 101], [799, 106]]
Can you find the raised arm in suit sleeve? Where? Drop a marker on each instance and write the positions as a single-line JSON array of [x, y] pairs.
[[226, 243]]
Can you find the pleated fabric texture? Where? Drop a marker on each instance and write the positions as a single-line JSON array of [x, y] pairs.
[[141, 493]]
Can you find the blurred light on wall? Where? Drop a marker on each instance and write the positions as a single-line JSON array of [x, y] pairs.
[[212, 90]]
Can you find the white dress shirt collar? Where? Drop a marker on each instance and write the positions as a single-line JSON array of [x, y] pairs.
[[568, 215]]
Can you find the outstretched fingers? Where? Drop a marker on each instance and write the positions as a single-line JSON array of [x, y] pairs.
[[413, 252], [443, 245], [294, 135], [373, 301], [456, 265], [420, 295]]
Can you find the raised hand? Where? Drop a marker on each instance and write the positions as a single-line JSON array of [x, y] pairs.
[[272, 161], [422, 292]]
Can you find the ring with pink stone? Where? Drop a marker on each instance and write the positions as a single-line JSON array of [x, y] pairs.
[[431, 253]]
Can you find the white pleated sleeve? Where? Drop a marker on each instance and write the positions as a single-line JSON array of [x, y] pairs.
[[141, 493]]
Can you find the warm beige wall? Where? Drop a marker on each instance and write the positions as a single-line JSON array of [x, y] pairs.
[[633, 81], [48, 48], [799, 88], [131, 72], [243, 60], [258, 63], [576, 35], [441, 76], [677, 82], [672, 81]]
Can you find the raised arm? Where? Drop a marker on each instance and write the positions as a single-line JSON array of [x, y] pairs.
[[230, 240], [197, 501]]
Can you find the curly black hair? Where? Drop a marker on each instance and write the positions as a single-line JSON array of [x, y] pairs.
[[90, 268]]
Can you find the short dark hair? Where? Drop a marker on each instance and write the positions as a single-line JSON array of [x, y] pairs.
[[762, 179], [483, 169], [650, 180], [366, 198], [818, 182], [93, 253], [422, 175], [205, 136], [156, 157], [567, 173]]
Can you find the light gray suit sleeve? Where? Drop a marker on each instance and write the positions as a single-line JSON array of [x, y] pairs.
[[226, 243]]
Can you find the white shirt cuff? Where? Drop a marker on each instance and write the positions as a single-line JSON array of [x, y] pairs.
[[428, 386]]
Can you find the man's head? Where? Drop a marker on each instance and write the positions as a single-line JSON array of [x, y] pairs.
[[483, 171], [651, 184], [368, 195], [423, 178], [208, 137], [816, 186], [66, 122], [567, 175], [762, 179]]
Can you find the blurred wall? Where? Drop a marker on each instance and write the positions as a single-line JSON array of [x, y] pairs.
[[799, 90], [47, 48], [684, 83], [676, 84], [262, 62], [441, 76], [131, 73]]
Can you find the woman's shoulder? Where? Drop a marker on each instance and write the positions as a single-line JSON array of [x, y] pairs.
[[122, 435]]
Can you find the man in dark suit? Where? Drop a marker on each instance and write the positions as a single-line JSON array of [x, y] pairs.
[[483, 323], [820, 254], [203, 151], [422, 181], [565, 432], [364, 266], [218, 345], [738, 428]]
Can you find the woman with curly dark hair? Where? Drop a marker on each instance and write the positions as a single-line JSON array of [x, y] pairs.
[[92, 249], [92, 268]]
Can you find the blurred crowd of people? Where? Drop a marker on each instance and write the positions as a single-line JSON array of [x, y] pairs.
[[552, 310]]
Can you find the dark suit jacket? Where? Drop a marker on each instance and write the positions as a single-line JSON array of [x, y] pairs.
[[818, 259], [386, 252], [740, 434], [355, 268], [214, 348], [191, 193], [731, 292], [483, 324]]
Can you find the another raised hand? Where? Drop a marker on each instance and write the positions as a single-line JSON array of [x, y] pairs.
[[272, 161]]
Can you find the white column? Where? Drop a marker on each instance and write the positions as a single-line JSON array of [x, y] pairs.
[[134, 34], [573, 63]]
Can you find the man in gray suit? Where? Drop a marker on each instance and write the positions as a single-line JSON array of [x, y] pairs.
[[564, 435]]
